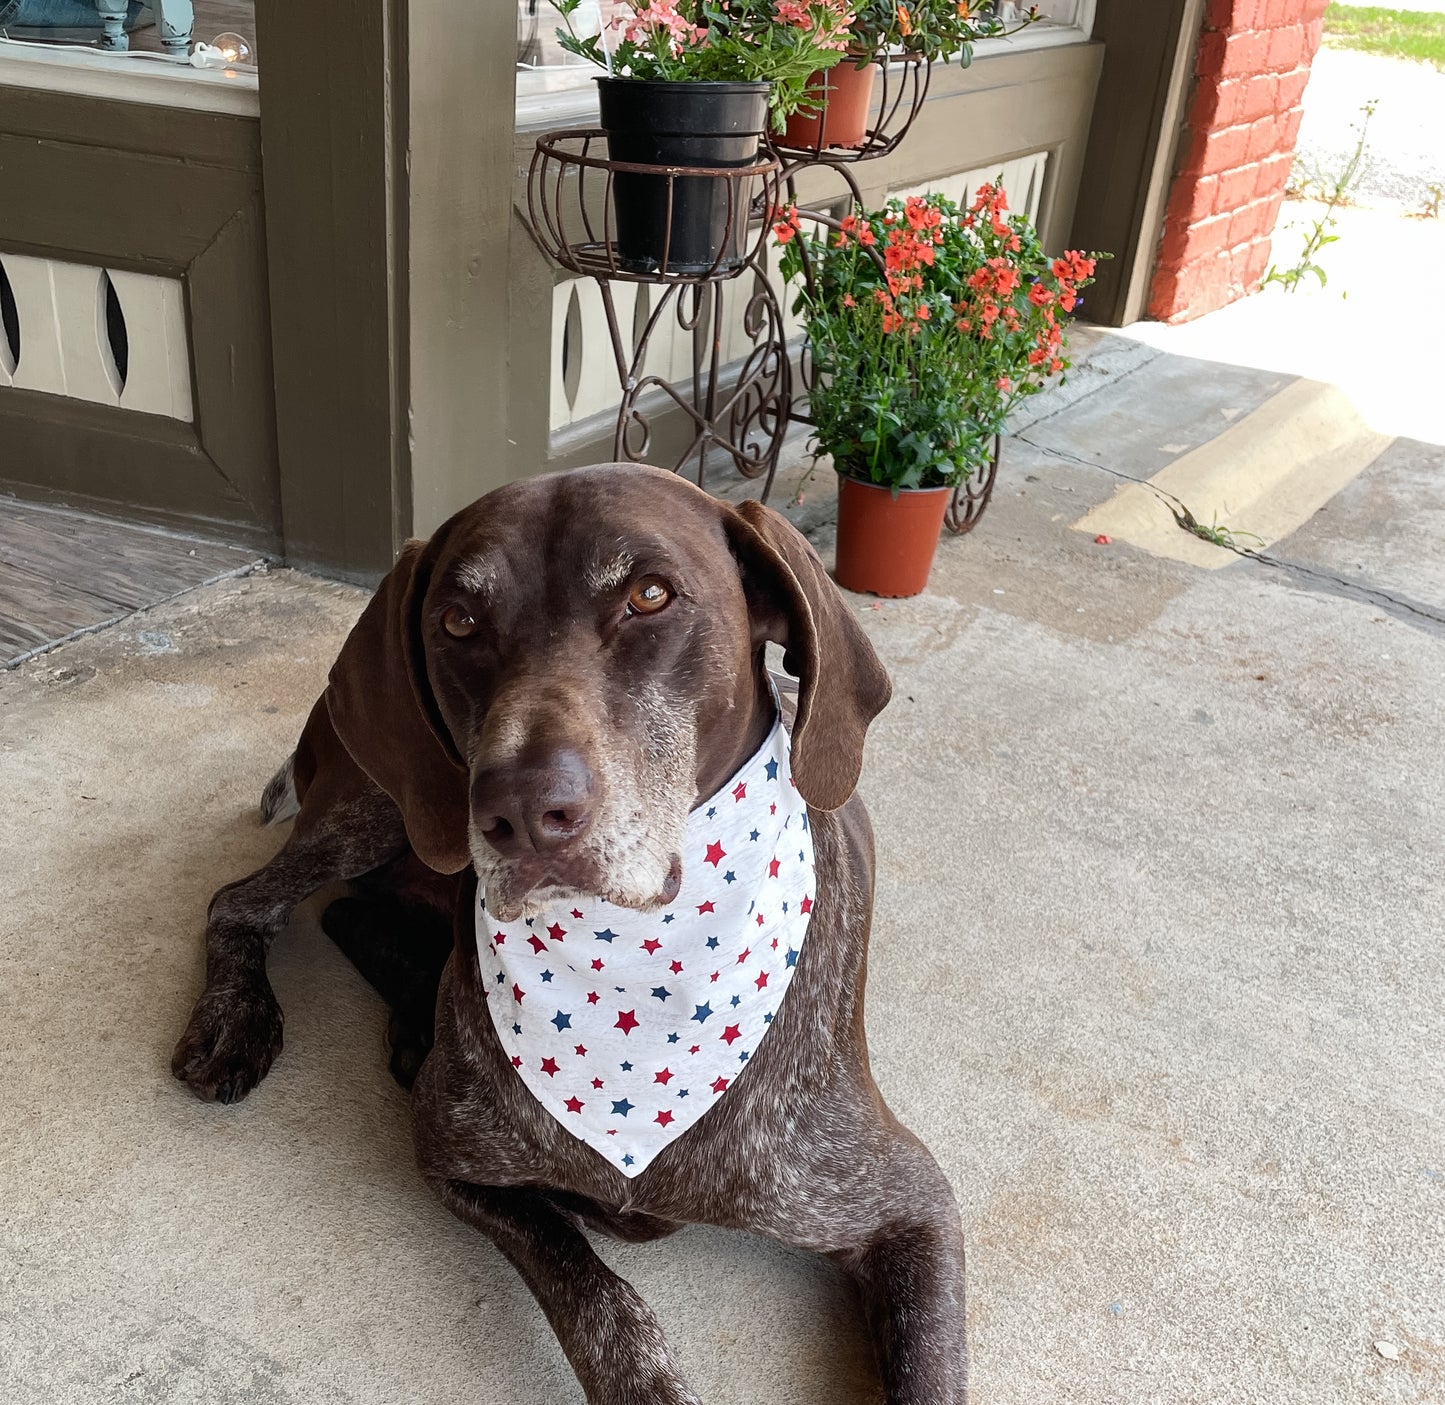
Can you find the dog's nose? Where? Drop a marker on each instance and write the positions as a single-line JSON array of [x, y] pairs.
[[534, 808]]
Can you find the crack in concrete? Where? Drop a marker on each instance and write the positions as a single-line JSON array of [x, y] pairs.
[[1430, 618]]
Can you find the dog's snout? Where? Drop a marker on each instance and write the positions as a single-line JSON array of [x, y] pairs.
[[535, 808]]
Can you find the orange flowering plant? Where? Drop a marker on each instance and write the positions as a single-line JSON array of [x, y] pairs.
[[937, 29], [926, 325]]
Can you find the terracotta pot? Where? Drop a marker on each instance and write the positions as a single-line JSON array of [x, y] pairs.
[[842, 120], [886, 543]]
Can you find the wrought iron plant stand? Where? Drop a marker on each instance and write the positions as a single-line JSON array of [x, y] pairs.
[[742, 412]]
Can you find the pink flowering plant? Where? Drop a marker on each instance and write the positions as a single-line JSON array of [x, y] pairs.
[[927, 324], [782, 42]]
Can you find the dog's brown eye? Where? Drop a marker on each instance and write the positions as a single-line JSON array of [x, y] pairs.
[[649, 595], [459, 623]]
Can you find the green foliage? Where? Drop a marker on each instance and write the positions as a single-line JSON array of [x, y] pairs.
[[937, 29], [1405, 34], [1334, 189]]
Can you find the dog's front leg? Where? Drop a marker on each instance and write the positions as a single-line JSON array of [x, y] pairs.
[[609, 1334], [234, 1031], [909, 1271]]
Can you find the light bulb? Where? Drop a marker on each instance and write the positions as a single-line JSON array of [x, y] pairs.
[[235, 49]]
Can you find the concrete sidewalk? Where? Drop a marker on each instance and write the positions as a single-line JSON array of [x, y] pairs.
[[1157, 972]]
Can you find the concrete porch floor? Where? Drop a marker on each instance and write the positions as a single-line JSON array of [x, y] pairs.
[[1157, 972]]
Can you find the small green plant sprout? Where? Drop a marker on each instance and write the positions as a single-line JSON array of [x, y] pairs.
[[1334, 189], [1215, 531]]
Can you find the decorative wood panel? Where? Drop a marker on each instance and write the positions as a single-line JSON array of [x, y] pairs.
[[109, 336]]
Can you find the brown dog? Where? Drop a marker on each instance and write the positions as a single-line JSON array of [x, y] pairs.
[[533, 702]]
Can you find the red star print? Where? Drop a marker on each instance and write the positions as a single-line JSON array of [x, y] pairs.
[[499, 937], [714, 975], [626, 1021], [762, 979], [576, 914], [772, 809], [581, 1051], [556, 931], [597, 1083], [747, 951], [516, 1061], [651, 945], [677, 968], [729, 1034], [663, 1118], [715, 854], [806, 906], [696, 1049], [592, 997], [719, 1084], [740, 791], [597, 963], [773, 869], [550, 1067], [705, 907], [575, 1104], [663, 1076], [775, 943], [518, 993], [760, 919], [537, 944]]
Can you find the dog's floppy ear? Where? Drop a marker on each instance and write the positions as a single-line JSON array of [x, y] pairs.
[[842, 686], [383, 709]]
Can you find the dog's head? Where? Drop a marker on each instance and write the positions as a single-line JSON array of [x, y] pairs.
[[549, 685]]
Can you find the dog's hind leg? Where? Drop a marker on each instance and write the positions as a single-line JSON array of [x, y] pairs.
[[346, 826]]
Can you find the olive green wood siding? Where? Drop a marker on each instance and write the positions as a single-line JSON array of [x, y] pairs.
[[166, 191]]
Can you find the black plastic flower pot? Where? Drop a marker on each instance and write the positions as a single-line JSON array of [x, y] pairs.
[[681, 224]]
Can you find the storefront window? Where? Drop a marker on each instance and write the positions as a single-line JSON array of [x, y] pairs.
[[133, 49]]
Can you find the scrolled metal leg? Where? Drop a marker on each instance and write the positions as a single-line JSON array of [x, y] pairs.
[[971, 497]]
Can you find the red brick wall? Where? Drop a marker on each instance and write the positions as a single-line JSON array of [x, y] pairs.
[[1234, 160]]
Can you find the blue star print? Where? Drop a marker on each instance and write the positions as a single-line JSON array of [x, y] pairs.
[[737, 1000], [660, 992], [754, 836], [712, 943], [622, 1108], [561, 1021], [626, 1067], [605, 935], [702, 1013], [730, 877], [792, 957], [672, 1039], [772, 769], [546, 975]]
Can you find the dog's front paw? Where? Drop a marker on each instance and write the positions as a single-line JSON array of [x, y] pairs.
[[233, 1037]]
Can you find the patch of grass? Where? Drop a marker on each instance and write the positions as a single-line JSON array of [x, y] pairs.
[[1402, 34]]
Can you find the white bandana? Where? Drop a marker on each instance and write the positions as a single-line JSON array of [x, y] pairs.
[[628, 1026]]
